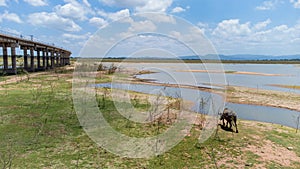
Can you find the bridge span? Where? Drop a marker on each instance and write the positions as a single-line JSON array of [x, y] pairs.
[[37, 56]]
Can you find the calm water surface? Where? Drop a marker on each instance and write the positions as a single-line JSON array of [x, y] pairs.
[[176, 73], [248, 112]]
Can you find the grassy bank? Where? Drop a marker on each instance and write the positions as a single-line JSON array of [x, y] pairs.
[[39, 129]]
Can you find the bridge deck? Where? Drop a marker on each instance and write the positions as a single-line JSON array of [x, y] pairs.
[[42, 56]]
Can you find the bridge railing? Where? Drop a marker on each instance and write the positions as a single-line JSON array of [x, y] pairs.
[[27, 37]]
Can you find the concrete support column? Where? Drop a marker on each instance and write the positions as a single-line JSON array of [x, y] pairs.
[[5, 57], [31, 59], [52, 59], [13, 60], [57, 58], [25, 58], [47, 59], [38, 58], [44, 58], [68, 60], [60, 59]]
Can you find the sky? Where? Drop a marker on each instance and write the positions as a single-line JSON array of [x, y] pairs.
[[270, 27]]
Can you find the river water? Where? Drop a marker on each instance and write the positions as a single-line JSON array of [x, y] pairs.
[[248, 112], [261, 76], [272, 74]]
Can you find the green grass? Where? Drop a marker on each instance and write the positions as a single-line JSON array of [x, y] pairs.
[[230, 71], [40, 129], [286, 139]]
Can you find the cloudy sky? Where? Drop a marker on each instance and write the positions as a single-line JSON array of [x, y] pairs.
[[269, 27]]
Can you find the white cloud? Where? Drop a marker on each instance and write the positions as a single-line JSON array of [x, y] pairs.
[[231, 36], [3, 3], [73, 9], [262, 25], [37, 2], [296, 3], [116, 15], [86, 3], [54, 21], [76, 37], [178, 10], [141, 5], [281, 28], [10, 17], [155, 6], [232, 28], [124, 3], [268, 5], [9, 30], [145, 26], [160, 18], [99, 22], [137, 27], [203, 27]]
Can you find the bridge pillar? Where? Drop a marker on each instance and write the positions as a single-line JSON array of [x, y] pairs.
[[47, 59], [13, 60], [38, 58], [52, 59], [60, 59], [25, 58], [31, 59], [44, 59], [5, 57], [67, 60], [57, 58]]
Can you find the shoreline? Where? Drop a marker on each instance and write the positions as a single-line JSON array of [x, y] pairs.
[[232, 72], [240, 95]]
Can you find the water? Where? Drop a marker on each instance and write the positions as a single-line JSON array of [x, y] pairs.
[[173, 73], [275, 115], [248, 112]]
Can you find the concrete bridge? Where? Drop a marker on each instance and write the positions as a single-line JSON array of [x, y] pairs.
[[37, 56]]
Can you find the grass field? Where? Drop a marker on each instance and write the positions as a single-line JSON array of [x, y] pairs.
[[39, 129]]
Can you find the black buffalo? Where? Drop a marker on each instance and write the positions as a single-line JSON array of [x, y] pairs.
[[231, 117]]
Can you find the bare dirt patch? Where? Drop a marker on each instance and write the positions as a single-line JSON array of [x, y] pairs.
[[271, 152]]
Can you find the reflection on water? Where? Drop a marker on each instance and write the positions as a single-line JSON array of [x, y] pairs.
[[248, 112]]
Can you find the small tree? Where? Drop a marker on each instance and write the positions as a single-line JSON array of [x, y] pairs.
[[112, 69], [100, 67]]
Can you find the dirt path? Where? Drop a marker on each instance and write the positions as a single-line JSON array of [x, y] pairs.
[[19, 78]]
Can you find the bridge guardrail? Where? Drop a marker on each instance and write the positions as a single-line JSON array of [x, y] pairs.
[[28, 37]]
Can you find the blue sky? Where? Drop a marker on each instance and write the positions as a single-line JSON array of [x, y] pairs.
[[269, 27]]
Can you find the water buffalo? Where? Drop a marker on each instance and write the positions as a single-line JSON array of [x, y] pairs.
[[230, 116]]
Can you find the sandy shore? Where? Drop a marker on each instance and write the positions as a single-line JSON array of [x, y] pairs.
[[232, 72], [243, 95]]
